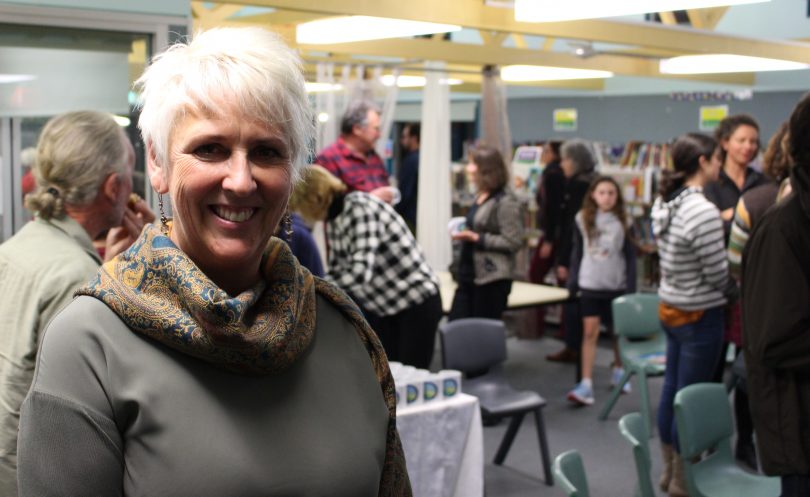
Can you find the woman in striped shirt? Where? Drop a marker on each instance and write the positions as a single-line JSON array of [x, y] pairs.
[[694, 281]]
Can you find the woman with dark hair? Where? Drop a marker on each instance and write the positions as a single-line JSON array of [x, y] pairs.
[[493, 234], [738, 140], [578, 164], [694, 283], [747, 214]]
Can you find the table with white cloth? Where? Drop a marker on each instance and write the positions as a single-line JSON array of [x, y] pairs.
[[444, 447], [523, 294]]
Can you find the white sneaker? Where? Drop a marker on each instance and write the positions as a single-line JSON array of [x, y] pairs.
[[581, 394], [616, 377]]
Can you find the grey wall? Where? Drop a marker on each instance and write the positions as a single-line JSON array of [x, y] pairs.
[[654, 118]]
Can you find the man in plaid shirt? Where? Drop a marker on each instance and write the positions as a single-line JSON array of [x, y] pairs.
[[352, 158]]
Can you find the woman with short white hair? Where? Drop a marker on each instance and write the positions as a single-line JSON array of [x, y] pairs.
[[205, 360]]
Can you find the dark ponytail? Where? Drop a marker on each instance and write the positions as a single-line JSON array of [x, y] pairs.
[[686, 153]]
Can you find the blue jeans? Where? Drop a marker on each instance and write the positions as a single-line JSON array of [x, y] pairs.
[[692, 354]]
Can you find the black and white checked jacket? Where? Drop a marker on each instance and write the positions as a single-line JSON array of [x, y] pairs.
[[375, 259]]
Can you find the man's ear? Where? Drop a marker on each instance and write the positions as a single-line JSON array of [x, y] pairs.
[[157, 175], [110, 187]]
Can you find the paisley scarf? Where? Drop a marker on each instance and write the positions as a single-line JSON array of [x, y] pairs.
[[160, 293]]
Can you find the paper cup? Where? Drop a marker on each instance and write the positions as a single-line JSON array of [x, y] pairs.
[[450, 383], [431, 388]]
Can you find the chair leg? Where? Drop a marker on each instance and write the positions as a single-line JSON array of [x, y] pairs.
[[508, 438], [541, 435], [646, 411], [614, 395]]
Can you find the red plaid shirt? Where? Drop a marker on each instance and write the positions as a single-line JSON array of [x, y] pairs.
[[360, 173]]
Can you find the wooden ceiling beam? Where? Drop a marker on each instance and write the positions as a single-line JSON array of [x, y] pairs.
[[481, 55], [475, 14]]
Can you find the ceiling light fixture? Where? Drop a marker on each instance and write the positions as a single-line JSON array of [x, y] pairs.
[[362, 28], [16, 78], [554, 10], [414, 81], [520, 73], [321, 87], [722, 63]]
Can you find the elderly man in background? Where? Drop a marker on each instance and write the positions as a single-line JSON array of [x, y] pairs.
[[83, 173], [352, 158]]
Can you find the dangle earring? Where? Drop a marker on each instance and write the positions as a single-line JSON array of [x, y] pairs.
[[164, 221], [286, 224]]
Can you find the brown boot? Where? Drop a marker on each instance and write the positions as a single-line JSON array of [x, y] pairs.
[[667, 453], [677, 485], [565, 355]]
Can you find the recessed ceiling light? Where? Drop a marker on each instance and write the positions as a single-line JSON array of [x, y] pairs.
[[16, 78], [521, 73], [722, 63], [414, 81], [361, 28], [568, 10]]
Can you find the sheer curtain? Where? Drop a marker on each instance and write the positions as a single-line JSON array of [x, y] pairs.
[[433, 208], [494, 119]]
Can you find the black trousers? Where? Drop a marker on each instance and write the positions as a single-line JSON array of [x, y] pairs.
[[795, 486], [480, 301], [409, 336]]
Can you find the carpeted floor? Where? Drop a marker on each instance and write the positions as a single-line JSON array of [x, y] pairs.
[[607, 457]]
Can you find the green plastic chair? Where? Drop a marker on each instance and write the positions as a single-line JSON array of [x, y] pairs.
[[570, 474], [642, 347], [632, 428], [703, 418]]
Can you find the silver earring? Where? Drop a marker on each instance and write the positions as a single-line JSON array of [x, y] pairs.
[[287, 224], [164, 221]]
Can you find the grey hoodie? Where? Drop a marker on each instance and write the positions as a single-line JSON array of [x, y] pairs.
[[691, 247]]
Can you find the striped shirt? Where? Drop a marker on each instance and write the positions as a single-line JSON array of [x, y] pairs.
[[691, 247]]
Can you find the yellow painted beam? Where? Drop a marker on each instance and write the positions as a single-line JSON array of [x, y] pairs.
[[548, 43], [481, 55], [475, 14], [668, 18], [520, 40], [706, 18]]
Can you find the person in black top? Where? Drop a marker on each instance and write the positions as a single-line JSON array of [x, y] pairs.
[[408, 176], [549, 211], [578, 164]]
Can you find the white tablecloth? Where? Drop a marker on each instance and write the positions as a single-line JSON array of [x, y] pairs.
[[444, 447]]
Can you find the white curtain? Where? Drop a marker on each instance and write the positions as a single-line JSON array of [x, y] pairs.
[[390, 95], [433, 209], [494, 119]]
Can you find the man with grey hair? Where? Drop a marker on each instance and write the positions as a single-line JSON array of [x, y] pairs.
[[83, 172], [352, 157]]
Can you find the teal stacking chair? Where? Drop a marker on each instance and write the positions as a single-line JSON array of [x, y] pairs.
[[632, 428], [642, 347], [703, 418], [570, 474]]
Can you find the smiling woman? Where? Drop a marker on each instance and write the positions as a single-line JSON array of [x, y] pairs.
[[206, 344]]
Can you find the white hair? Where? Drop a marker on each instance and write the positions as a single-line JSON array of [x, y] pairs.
[[250, 69]]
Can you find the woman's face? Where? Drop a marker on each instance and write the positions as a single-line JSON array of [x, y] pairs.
[[567, 166], [229, 179], [711, 167], [742, 146]]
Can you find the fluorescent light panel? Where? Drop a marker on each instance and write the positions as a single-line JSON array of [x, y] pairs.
[[520, 73], [361, 28], [16, 78], [556, 10], [722, 63], [321, 87], [414, 81]]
